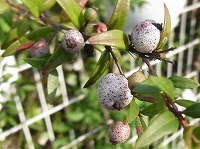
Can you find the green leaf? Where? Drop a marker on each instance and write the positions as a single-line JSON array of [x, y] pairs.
[[185, 103], [166, 29], [162, 125], [183, 83], [153, 109], [57, 58], [119, 16], [165, 85], [52, 84], [197, 132], [36, 62], [193, 110], [144, 124], [115, 38], [133, 111], [33, 36], [99, 69], [146, 87], [73, 10], [32, 6], [187, 135]]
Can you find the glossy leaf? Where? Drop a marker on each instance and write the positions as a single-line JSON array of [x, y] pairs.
[[162, 125], [52, 84], [165, 85], [133, 111], [166, 29], [36, 62], [115, 38], [73, 11], [185, 103], [33, 6], [153, 109], [193, 110], [33, 36], [99, 69], [119, 16], [183, 83], [57, 58], [146, 87]]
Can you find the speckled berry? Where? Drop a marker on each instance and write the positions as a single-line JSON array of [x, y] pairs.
[[135, 79], [118, 132], [39, 49], [113, 91], [146, 36], [72, 41]]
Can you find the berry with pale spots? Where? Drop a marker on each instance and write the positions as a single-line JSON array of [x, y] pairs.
[[113, 91], [72, 41], [118, 132], [146, 36]]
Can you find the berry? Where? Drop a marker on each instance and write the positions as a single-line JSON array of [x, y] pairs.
[[135, 79], [118, 132], [146, 36], [39, 49], [113, 92], [90, 14], [72, 41]]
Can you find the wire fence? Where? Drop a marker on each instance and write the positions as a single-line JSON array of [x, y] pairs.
[[182, 66]]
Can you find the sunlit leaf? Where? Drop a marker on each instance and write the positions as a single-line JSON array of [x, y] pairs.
[[115, 38], [162, 125], [33, 6], [165, 85], [166, 29], [73, 11], [99, 69], [183, 83], [133, 111], [120, 14]]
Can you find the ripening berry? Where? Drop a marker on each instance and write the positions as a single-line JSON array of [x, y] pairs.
[[90, 14], [72, 41], [146, 36], [135, 79], [118, 132], [39, 49], [113, 91]]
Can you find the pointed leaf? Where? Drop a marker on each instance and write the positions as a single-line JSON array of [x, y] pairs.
[[115, 38], [185, 103], [32, 36], [133, 111], [153, 109], [162, 125], [165, 85], [166, 29], [146, 87], [119, 16], [73, 11], [36, 62], [57, 58], [193, 110], [183, 83], [99, 69], [52, 84]]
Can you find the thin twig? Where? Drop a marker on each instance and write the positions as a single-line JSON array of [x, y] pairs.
[[115, 59]]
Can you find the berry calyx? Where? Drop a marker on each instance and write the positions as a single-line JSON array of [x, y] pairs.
[[72, 41], [113, 92], [118, 132], [146, 36], [38, 49]]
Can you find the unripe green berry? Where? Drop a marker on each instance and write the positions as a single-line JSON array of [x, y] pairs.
[[90, 14], [135, 79]]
